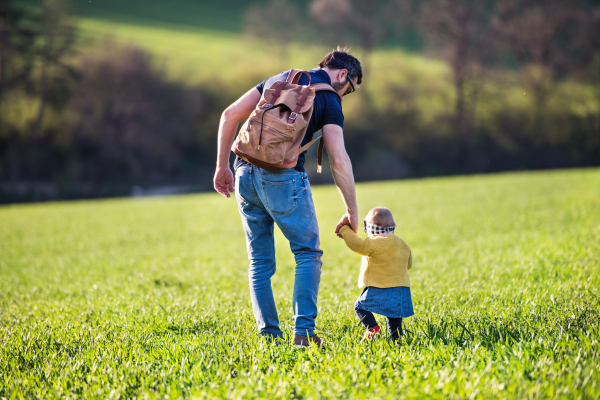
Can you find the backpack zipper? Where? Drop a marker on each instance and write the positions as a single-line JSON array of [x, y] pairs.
[[273, 129]]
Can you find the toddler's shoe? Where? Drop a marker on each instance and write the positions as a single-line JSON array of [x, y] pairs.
[[370, 334]]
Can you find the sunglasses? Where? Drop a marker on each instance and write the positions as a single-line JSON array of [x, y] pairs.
[[351, 84]]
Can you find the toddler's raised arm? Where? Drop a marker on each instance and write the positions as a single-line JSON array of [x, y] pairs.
[[361, 246]]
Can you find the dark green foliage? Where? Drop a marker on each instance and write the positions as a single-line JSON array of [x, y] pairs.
[[147, 114], [128, 120], [17, 51]]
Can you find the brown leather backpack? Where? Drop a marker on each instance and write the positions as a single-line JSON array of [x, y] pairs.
[[271, 138]]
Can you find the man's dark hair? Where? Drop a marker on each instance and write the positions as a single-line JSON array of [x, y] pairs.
[[342, 59]]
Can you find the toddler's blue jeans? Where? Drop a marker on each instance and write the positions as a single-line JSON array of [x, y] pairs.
[[284, 198]]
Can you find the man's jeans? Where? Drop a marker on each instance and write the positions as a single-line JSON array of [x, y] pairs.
[[283, 197]]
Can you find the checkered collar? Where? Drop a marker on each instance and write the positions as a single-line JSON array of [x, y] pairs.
[[376, 229]]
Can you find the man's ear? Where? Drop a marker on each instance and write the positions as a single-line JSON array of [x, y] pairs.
[[342, 74]]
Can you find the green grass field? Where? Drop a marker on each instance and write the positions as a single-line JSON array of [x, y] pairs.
[[148, 298]]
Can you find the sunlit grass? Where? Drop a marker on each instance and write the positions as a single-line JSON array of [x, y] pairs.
[[149, 297], [196, 55]]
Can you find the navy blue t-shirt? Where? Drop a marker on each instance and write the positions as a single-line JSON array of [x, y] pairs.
[[327, 109]]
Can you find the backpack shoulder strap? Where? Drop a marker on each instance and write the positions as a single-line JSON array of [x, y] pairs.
[[295, 74], [319, 151], [319, 87]]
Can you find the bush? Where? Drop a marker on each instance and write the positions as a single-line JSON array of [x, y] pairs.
[[126, 119]]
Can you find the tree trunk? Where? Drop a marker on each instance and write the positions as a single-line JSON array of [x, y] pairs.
[[460, 71], [459, 108], [2, 34], [37, 126]]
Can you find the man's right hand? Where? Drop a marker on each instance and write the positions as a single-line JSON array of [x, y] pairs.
[[223, 181], [347, 219], [231, 117], [341, 170]]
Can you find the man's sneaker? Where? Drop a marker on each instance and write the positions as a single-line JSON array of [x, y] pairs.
[[370, 334], [301, 340]]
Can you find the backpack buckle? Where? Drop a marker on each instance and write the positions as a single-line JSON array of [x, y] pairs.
[[268, 106], [293, 116]]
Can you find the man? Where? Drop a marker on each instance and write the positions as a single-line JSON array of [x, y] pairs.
[[284, 197]]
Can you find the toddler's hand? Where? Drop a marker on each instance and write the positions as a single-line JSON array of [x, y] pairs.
[[346, 220], [338, 227]]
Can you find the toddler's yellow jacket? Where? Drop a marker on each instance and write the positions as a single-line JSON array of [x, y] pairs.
[[385, 262]]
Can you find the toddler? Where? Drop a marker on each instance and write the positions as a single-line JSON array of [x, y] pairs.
[[384, 273]]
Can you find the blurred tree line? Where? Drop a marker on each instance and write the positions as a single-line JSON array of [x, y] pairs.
[[95, 119]]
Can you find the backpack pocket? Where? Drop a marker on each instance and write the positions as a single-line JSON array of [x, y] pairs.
[[266, 137]]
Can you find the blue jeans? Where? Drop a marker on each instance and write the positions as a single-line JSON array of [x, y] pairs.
[[282, 197]]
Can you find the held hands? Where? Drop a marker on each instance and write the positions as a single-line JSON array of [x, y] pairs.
[[347, 219], [223, 181]]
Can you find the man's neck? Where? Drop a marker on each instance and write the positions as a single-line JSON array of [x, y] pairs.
[[331, 72]]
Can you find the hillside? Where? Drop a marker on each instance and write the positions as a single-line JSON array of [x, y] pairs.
[[190, 14], [195, 40], [188, 60]]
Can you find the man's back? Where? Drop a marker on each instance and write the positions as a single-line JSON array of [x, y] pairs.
[[327, 109]]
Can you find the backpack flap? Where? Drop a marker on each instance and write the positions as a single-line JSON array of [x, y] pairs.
[[271, 138], [295, 98]]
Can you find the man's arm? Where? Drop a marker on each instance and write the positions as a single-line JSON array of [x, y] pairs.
[[341, 169], [230, 119]]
